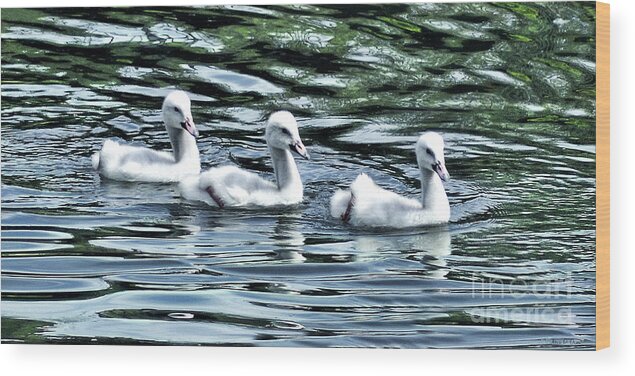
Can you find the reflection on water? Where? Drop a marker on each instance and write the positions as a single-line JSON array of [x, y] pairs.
[[430, 248], [288, 239], [511, 86]]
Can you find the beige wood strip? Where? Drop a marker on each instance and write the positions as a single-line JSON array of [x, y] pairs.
[[602, 198]]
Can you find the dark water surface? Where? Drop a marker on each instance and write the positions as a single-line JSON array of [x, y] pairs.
[[511, 86]]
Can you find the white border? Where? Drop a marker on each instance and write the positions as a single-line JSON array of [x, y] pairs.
[[116, 360]]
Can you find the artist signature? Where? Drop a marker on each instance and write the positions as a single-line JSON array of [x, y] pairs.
[[562, 341]]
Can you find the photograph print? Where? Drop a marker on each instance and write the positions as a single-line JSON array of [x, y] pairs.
[[404, 175]]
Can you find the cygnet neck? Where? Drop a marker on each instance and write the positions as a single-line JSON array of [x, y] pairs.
[[285, 169], [183, 144], [433, 196]]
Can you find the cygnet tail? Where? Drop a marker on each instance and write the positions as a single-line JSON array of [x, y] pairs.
[[362, 184], [109, 151], [339, 202], [95, 160]]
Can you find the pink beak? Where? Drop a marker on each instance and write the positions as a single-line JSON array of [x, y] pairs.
[[440, 169], [189, 126], [299, 148]]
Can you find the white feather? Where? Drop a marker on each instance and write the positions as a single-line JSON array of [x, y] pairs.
[[339, 202], [372, 206], [135, 163], [230, 186]]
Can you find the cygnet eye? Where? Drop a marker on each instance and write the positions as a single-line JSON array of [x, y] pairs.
[[177, 109], [429, 152], [286, 131]]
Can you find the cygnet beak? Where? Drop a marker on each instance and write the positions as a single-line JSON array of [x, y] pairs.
[[440, 169], [189, 126], [299, 148]]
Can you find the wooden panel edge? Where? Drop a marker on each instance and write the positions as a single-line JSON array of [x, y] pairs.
[[603, 176]]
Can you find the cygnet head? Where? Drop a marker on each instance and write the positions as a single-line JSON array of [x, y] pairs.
[[282, 133], [177, 112], [429, 150]]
